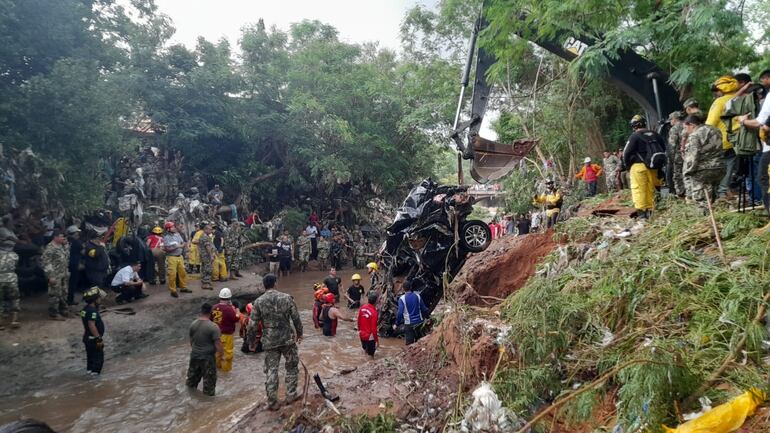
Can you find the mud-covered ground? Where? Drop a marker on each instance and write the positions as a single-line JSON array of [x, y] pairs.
[[142, 384]]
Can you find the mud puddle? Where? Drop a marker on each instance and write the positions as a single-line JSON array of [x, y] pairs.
[[146, 392]]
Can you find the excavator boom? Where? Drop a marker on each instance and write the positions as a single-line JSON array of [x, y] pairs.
[[636, 76]]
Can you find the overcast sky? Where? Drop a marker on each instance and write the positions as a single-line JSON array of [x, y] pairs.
[[356, 20]]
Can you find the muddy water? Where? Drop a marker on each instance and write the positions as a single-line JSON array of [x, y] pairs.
[[147, 393]]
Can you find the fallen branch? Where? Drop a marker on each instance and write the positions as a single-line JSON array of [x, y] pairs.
[[731, 357], [714, 226], [603, 378], [306, 384]]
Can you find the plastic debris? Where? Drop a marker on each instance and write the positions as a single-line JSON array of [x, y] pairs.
[[724, 418], [487, 414]]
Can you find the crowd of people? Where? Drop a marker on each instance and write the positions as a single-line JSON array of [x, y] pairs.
[[271, 324], [701, 157]]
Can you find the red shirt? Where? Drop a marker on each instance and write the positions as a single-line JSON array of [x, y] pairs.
[[154, 241], [225, 316], [367, 323], [590, 174]]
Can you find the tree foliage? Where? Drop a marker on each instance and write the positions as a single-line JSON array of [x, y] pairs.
[[283, 116]]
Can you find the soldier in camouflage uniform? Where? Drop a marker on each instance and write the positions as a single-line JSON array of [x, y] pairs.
[[323, 252], [691, 107], [56, 257], [208, 253], [304, 248], [359, 257], [703, 166], [277, 312], [611, 167], [675, 154], [9, 281], [234, 249]]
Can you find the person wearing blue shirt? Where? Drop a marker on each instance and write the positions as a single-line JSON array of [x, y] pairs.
[[412, 312]]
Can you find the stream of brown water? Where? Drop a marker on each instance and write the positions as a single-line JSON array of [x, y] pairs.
[[147, 393]]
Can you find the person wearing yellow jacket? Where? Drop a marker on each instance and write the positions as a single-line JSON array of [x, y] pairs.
[[552, 200], [727, 87], [194, 255], [590, 173]]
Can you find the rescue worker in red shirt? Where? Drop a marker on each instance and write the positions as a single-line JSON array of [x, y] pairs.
[[330, 315], [155, 244], [318, 295], [226, 316], [367, 325], [590, 174]]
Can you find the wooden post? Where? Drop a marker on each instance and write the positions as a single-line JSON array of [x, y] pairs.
[[460, 176]]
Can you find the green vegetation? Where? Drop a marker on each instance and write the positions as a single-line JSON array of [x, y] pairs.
[[381, 423], [283, 116], [662, 299]]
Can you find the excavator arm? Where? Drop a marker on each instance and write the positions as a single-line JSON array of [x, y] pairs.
[[634, 75]]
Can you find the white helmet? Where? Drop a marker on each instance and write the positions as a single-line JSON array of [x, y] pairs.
[[225, 293], [587, 160]]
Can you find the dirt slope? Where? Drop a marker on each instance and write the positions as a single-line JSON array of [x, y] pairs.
[[503, 268]]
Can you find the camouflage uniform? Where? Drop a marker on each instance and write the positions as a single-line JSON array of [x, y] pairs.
[[703, 163], [55, 264], [9, 281], [234, 248], [304, 248], [360, 255], [323, 252], [203, 368], [208, 253], [675, 135], [277, 312], [611, 168]]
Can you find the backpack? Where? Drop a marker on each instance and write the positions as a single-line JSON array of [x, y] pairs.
[[745, 141], [652, 151]]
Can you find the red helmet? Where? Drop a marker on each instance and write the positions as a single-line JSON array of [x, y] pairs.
[[169, 225], [329, 298]]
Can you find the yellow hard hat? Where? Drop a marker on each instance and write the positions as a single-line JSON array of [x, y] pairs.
[[157, 230], [356, 277], [372, 267]]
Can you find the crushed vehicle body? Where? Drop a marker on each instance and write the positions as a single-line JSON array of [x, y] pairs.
[[428, 242]]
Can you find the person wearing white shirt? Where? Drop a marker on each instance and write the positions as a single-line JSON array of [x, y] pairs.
[[127, 284], [312, 233]]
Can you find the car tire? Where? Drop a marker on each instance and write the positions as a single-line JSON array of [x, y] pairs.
[[475, 236]]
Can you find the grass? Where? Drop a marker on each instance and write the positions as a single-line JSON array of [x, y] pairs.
[[664, 295]]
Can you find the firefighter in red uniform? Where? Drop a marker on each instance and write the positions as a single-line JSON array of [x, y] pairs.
[[367, 325]]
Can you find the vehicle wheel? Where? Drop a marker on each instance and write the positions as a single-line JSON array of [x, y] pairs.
[[475, 236]]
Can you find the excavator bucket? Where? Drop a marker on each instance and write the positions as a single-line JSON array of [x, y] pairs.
[[493, 160]]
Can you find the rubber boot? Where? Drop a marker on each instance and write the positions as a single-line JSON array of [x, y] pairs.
[[238, 274], [174, 294], [15, 320]]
